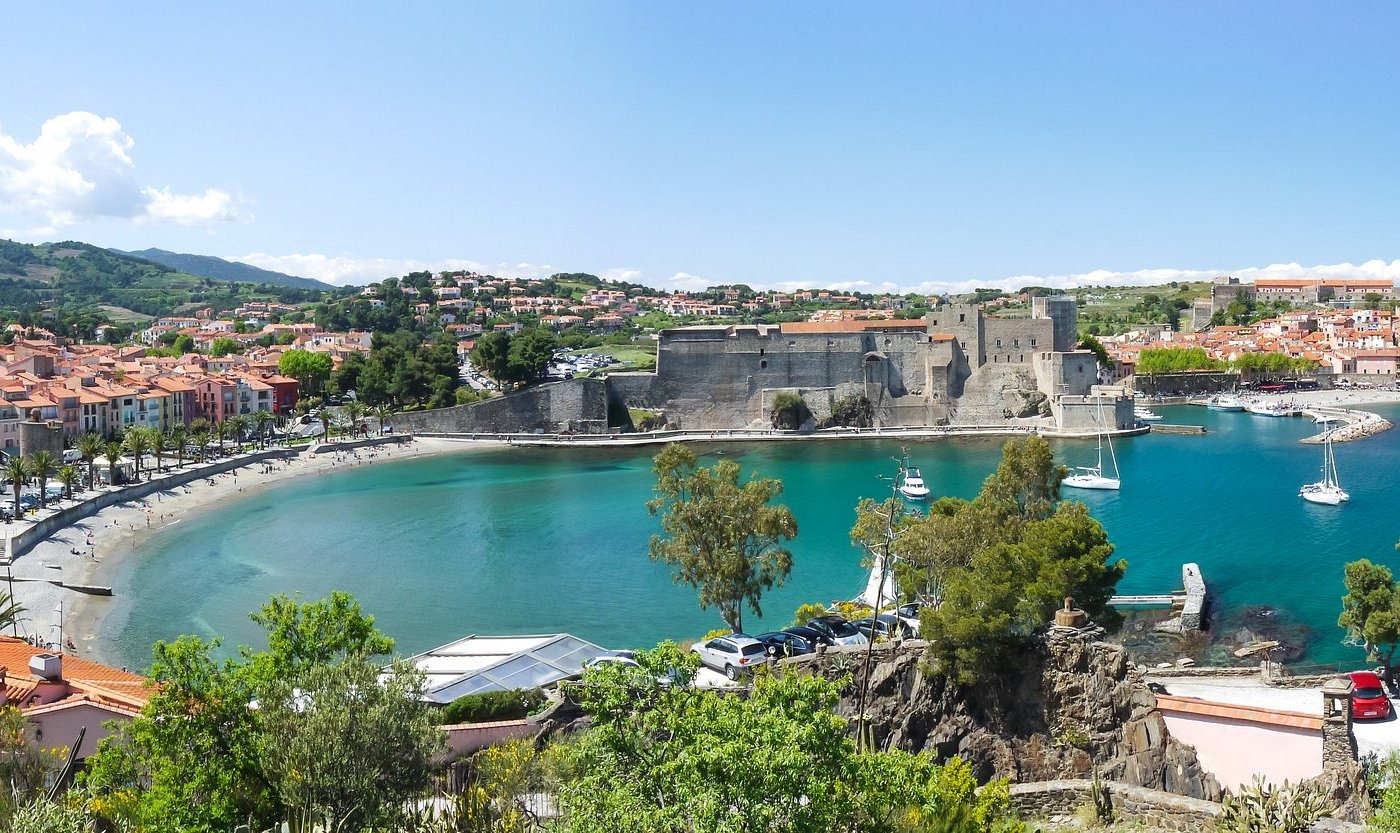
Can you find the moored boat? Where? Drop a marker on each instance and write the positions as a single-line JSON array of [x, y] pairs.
[[1326, 491], [910, 481], [1092, 477], [1225, 402], [1142, 414]]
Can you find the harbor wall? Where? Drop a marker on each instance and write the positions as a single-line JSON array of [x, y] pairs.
[[572, 405]]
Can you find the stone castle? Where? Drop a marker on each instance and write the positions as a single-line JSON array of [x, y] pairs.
[[957, 366]]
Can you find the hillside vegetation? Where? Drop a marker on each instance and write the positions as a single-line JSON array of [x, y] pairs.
[[75, 286]]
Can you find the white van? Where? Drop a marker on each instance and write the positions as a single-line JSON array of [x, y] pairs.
[[72, 455]]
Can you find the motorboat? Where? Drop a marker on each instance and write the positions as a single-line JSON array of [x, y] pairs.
[[1225, 402], [1326, 491], [1142, 414], [1093, 477], [1272, 409], [910, 482]]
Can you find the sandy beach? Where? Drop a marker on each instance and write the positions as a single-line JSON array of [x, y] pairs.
[[88, 551]]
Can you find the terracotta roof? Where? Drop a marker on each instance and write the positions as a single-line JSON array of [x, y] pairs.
[[16, 653], [1231, 711]]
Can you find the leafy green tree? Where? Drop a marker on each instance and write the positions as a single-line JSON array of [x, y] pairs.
[[345, 747], [1022, 551], [1093, 345], [1176, 360], [89, 446], [492, 355], [1371, 610], [663, 758], [311, 370], [262, 419], [530, 353], [720, 537], [42, 465], [223, 346], [184, 343], [272, 735], [16, 471]]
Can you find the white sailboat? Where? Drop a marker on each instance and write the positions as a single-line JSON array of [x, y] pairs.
[[1326, 491], [1092, 477]]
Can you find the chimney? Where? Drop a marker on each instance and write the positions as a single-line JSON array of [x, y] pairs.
[[47, 666]]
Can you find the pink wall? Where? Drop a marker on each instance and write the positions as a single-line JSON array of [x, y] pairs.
[[465, 738], [59, 728], [1234, 750]]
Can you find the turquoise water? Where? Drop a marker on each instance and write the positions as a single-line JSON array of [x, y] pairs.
[[543, 540]]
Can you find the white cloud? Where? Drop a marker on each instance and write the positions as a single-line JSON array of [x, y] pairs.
[[213, 206], [80, 168]]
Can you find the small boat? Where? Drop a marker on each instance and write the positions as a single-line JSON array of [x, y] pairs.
[[910, 482], [1225, 402], [1272, 409], [1092, 477], [1142, 414], [1326, 491]]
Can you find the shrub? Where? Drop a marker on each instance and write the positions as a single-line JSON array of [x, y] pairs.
[[492, 705], [808, 612], [1291, 808], [714, 633], [790, 411]]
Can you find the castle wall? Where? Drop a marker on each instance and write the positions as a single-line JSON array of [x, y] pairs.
[[579, 405]]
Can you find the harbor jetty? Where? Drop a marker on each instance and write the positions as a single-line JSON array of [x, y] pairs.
[[1190, 600]]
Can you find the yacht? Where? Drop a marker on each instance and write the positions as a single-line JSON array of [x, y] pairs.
[[1272, 409], [1092, 477], [1225, 402], [1142, 414], [1325, 491], [910, 482]]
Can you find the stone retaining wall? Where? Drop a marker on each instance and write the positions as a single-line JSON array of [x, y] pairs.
[[1152, 808]]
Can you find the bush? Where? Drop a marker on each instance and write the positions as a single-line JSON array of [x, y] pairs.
[[715, 633], [790, 411], [807, 612], [850, 412], [492, 705]]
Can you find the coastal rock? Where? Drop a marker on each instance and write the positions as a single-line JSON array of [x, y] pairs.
[[1076, 705]]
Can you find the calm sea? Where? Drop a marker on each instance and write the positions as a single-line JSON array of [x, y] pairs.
[[545, 540]]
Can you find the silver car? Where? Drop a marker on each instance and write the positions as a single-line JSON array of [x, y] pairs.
[[734, 654]]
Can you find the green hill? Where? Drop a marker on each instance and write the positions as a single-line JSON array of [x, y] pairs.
[[219, 269], [78, 283]]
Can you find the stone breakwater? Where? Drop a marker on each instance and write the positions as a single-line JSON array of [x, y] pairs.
[[1356, 425]]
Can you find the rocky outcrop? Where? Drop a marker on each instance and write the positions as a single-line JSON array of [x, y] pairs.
[[1077, 705]]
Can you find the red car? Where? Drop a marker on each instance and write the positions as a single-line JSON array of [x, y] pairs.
[[1368, 700]]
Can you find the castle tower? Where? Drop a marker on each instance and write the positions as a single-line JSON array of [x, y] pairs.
[[1063, 313]]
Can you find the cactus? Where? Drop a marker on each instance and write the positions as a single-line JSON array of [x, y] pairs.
[[1260, 808]]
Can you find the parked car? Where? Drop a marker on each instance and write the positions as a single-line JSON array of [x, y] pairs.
[[612, 657], [734, 654], [838, 629], [781, 644], [1368, 700], [885, 626], [812, 635], [909, 613]]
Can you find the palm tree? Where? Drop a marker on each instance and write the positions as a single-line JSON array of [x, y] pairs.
[[326, 418], [157, 440], [220, 430], [17, 472], [383, 411], [68, 475], [353, 411], [201, 439], [89, 445], [9, 612], [138, 442], [113, 452], [262, 418], [178, 436], [237, 427], [42, 465]]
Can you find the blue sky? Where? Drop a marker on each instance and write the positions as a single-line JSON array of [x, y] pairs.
[[871, 146]]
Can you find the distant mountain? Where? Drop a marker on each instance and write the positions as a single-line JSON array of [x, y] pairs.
[[219, 269]]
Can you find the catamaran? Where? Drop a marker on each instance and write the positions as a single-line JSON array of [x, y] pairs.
[[1327, 490], [1092, 477]]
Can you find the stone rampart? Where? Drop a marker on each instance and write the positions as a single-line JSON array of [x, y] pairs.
[[557, 407]]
